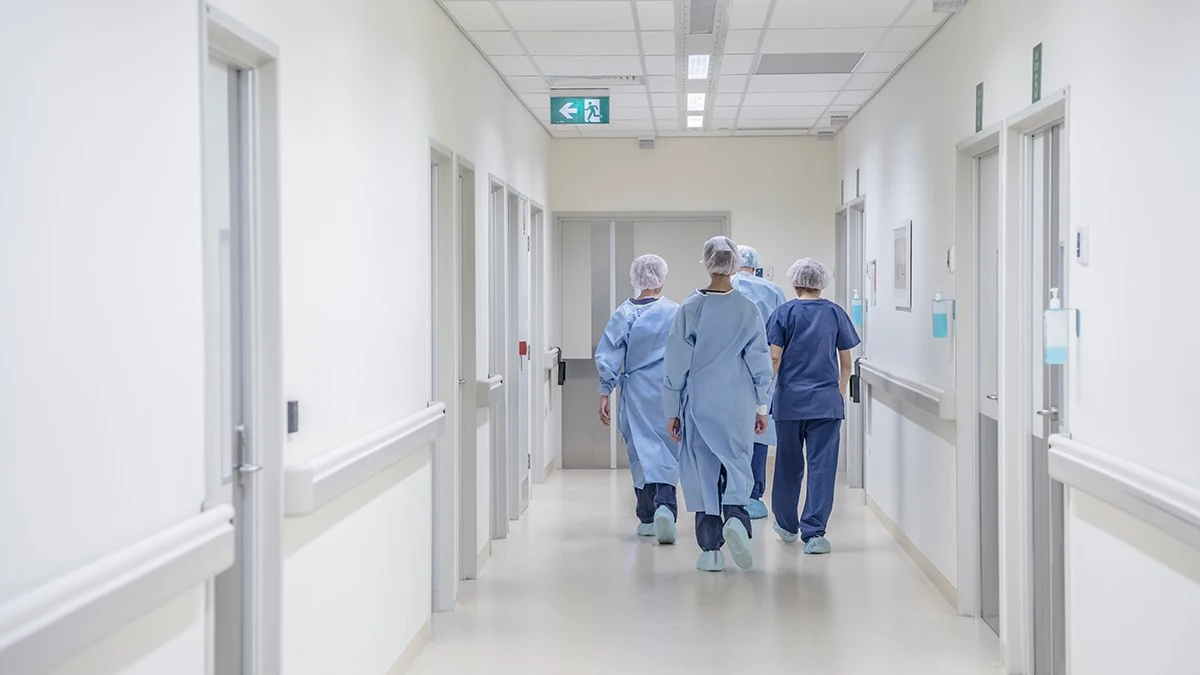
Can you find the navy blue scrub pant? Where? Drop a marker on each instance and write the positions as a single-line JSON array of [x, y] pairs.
[[759, 467], [653, 496], [819, 441], [709, 527]]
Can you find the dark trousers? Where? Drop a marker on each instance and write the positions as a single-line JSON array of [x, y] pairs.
[[653, 496], [759, 466], [709, 527], [817, 441]]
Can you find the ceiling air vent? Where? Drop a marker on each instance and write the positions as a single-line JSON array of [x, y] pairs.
[[948, 6], [808, 64], [839, 120], [702, 16], [645, 144], [592, 81], [826, 135]]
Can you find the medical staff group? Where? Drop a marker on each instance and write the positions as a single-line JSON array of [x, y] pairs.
[[708, 385]]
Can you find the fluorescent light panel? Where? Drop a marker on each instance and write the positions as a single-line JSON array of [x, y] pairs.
[[695, 102], [695, 121], [698, 66]]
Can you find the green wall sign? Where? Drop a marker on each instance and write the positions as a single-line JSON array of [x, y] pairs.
[[579, 109], [1037, 73]]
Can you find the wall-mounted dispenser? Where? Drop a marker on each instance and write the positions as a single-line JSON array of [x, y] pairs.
[[856, 310], [943, 315], [1056, 331]]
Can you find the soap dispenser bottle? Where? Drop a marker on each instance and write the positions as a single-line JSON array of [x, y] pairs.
[[941, 316], [856, 310], [1056, 331]]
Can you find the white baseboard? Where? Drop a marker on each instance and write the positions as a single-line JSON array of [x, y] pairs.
[[412, 651], [485, 554], [926, 566]]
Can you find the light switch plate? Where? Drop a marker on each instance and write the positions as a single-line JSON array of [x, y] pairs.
[[1081, 245]]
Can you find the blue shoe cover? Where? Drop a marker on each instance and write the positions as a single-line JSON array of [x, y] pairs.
[[756, 509], [817, 546], [738, 540], [711, 561], [785, 536], [645, 529], [664, 525]]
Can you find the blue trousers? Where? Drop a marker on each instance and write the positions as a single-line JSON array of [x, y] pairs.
[[651, 497], [819, 441], [709, 528], [759, 467]]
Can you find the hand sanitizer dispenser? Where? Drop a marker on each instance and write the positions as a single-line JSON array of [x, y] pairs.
[[1056, 331], [941, 316], [856, 310]]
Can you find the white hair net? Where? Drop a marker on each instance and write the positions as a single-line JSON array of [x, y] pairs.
[[749, 257], [721, 256], [809, 273], [648, 272]]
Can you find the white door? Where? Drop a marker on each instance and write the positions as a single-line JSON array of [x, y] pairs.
[[527, 361], [498, 353], [850, 270], [1048, 394], [987, 260], [470, 463], [228, 216]]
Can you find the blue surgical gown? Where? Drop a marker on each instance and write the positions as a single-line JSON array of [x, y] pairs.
[[717, 370], [767, 297], [811, 333], [630, 355]]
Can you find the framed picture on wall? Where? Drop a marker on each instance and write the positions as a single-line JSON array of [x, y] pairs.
[[902, 266]]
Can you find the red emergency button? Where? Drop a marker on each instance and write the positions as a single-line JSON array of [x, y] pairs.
[[523, 348]]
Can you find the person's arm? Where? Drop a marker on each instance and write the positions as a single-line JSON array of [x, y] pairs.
[[777, 338], [677, 362], [610, 360], [845, 368], [847, 339], [776, 358]]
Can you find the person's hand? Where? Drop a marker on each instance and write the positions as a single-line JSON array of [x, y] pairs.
[[605, 417], [760, 424], [674, 428]]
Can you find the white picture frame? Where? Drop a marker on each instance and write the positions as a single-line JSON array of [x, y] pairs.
[[902, 266]]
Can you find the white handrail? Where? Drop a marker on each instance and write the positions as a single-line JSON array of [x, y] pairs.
[[313, 484], [488, 391], [1159, 500], [926, 397], [48, 625], [550, 358]]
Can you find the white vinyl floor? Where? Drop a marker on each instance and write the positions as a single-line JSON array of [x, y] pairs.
[[573, 591]]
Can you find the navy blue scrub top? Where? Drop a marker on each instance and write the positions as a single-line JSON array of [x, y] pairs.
[[811, 333]]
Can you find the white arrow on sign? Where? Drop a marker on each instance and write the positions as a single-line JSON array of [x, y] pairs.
[[568, 110]]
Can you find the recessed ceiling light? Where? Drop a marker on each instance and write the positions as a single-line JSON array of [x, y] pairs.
[[698, 66], [695, 121], [695, 102], [808, 64]]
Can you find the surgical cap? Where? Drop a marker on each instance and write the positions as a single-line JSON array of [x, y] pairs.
[[749, 257], [809, 273], [648, 272], [721, 256]]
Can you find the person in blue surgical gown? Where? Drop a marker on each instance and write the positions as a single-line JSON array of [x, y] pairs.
[[767, 297], [716, 376], [630, 355], [810, 339]]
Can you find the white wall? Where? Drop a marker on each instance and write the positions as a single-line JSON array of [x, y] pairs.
[[100, 287], [1112, 55], [781, 192]]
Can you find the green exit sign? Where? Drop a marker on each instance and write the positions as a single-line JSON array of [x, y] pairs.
[[592, 109]]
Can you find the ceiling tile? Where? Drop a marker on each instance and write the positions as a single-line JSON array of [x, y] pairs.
[[853, 97], [838, 13], [589, 65], [797, 82], [662, 83], [728, 100], [791, 98], [922, 14], [628, 100], [731, 83], [514, 65], [474, 16], [728, 113], [822, 41], [497, 42], [782, 112], [662, 65], [904, 39], [612, 43], [658, 42], [664, 100], [635, 113], [525, 15], [655, 14], [742, 41], [867, 81], [843, 109], [744, 123], [881, 62], [528, 85], [629, 125], [661, 114], [737, 64], [747, 14], [668, 125]]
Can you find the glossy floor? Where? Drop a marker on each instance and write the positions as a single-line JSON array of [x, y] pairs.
[[574, 592]]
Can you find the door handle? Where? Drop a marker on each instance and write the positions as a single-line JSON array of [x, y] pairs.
[[1049, 413], [462, 381], [249, 468], [993, 397]]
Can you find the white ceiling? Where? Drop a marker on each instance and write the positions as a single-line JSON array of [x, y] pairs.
[[529, 41]]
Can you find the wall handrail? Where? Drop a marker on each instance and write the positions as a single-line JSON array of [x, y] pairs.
[[48, 625], [1148, 495], [923, 396], [312, 484], [489, 391]]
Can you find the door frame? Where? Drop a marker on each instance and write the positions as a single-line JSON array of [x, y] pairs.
[[512, 389], [850, 215], [966, 336], [1016, 361], [538, 343], [498, 351], [262, 518], [467, 317]]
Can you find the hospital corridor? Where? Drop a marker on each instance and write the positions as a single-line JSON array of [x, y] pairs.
[[457, 337]]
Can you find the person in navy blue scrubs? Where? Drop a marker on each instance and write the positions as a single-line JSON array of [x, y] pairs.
[[810, 339]]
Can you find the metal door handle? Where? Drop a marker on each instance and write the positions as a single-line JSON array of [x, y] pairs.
[[1049, 413], [993, 397], [462, 381], [249, 468]]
